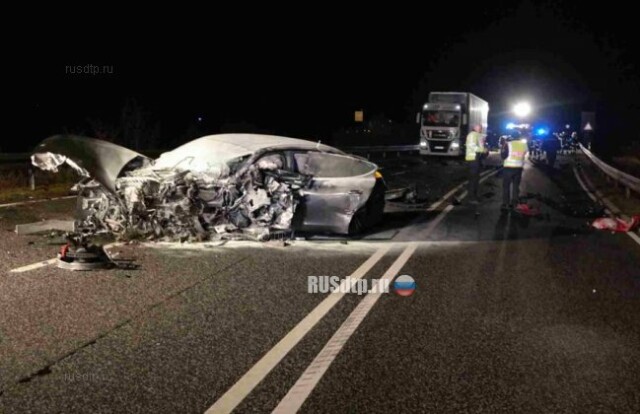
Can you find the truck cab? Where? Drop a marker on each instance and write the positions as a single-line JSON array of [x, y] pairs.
[[446, 119]]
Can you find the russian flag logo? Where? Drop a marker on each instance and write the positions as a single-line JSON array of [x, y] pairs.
[[404, 285]]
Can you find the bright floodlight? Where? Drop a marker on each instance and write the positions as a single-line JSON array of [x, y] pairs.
[[522, 109]]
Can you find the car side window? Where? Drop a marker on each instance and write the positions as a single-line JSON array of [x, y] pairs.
[[299, 161], [330, 165]]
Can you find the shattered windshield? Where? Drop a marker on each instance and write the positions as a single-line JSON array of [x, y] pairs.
[[441, 118]]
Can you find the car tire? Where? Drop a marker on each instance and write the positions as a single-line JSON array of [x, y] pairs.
[[371, 213]]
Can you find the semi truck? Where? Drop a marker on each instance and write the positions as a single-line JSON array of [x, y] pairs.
[[447, 118]]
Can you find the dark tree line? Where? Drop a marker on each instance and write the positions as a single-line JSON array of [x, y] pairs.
[[134, 129]]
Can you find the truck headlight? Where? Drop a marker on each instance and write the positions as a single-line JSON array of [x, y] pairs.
[[455, 145], [423, 143]]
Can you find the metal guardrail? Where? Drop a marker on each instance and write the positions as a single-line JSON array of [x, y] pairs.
[[25, 157], [384, 149], [14, 158], [630, 182]]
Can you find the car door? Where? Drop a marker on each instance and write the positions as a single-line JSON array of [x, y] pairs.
[[340, 186]]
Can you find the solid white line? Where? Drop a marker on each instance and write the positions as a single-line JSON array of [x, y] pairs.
[[301, 390], [634, 236], [631, 234], [483, 178], [595, 195], [444, 198], [33, 266], [20, 203], [259, 371], [314, 372], [38, 265], [245, 385]]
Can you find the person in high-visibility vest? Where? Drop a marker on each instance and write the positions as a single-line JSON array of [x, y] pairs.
[[476, 152], [513, 152]]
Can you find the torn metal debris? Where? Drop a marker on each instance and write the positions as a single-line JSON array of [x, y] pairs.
[[217, 187], [83, 258]]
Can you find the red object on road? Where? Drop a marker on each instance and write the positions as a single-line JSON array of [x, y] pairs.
[[616, 224], [63, 250], [526, 210]]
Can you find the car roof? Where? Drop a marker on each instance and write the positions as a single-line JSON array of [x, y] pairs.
[[212, 149], [256, 142]]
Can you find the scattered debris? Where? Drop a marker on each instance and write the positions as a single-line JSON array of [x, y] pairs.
[[572, 209], [616, 224], [397, 193], [410, 195], [406, 199]]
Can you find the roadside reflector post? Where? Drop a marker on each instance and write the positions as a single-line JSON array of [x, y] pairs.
[[32, 179]]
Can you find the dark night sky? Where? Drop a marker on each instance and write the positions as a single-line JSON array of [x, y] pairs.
[[305, 77]]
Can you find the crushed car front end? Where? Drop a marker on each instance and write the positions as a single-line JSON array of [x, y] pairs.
[[216, 187]]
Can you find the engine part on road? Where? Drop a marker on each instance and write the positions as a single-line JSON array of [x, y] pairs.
[[83, 258]]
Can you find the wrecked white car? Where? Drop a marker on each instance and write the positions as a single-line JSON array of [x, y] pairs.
[[217, 187]]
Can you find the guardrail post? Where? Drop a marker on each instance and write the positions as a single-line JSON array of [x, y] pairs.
[[32, 179]]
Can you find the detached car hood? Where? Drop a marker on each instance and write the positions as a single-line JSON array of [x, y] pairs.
[[101, 160]]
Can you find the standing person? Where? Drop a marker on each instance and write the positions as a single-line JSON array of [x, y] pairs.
[[476, 152], [551, 146], [574, 142], [513, 154]]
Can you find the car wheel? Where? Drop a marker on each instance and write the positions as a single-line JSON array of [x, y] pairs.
[[371, 213]]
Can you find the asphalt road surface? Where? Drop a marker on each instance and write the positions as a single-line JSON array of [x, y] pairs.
[[511, 313]]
